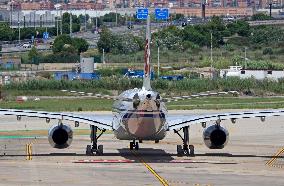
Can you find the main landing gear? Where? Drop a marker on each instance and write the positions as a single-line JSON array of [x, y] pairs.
[[184, 149], [134, 145], [95, 148]]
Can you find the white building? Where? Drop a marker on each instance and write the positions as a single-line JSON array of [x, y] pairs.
[[237, 71]]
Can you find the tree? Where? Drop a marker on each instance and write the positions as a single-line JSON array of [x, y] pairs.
[[106, 41], [66, 44], [260, 17], [66, 23], [33, 55], [60, 41], [81, 45]]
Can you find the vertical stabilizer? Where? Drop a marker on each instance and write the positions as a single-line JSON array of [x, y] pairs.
[[147, 69]]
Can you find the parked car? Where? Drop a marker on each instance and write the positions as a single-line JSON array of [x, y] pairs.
[[27, 45]]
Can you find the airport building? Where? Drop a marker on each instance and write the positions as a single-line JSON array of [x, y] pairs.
[[237, 71]]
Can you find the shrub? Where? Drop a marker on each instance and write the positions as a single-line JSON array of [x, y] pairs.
[[267, 51]]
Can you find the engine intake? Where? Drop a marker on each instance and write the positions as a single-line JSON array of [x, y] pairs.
[[60, 136], [215, 137]]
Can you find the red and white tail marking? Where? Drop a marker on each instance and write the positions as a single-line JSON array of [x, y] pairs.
[[147, 69]]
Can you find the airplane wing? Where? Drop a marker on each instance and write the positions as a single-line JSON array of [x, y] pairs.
[[101, 121], [179, 121]]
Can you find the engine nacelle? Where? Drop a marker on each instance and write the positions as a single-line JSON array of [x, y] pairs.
[[60, 136], [215, 137]]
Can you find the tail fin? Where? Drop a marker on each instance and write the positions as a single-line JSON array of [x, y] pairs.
[[147, 69]]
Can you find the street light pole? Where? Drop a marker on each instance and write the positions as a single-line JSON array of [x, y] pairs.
[[19, 28], [34, 20], [46, 22], [158, 62], [61, 22], [57, 22], [85, 21], [11, 19], [115, 16], [96, 22], [246, 57], [103, 56], [211, 51], [70, 32]]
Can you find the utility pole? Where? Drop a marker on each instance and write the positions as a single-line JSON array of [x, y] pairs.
[[96, 24], [126, 20], [57, 25], [70, 24], [60, 22], [115, 16], [270, 9], [19, 28], [46, 21], [45, 40], [246, 57], [11, 19], [35, 20], [57, 16], [211, 51], [85, 21], [104, 56], [158, 62]]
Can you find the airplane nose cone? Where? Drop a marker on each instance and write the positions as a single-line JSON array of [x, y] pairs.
[[146, 120], [143, 124]]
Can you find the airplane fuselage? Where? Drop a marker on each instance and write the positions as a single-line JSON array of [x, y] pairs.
[[139, 114]]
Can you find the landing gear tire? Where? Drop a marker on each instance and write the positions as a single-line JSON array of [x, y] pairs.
[[100, 150], [157, 141], [131, 145], [140, 141], [185, 149], [191, 150], [95, 148], [136, 146], [89, 150], [180, 151]]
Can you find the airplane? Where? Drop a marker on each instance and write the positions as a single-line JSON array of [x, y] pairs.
[[141, 114]]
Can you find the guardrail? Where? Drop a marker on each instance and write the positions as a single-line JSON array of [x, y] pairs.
[[267, 22]]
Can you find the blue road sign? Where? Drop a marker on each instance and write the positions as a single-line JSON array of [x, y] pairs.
[[45, 35], [142, 13], [162, 13]]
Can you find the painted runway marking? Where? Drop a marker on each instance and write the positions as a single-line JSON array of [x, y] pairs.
[[134, 161], [29, 151], [104, 161], [162, 180], [271, 162]]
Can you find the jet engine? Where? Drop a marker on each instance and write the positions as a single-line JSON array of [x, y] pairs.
[[60, 136], [215, 137]]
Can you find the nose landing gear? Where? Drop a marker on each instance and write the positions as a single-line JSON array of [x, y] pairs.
[[134, 145]]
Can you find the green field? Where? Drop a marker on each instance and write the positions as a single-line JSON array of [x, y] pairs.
[[95, 104]]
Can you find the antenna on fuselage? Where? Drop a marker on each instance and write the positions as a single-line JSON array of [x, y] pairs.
[[147, 55]]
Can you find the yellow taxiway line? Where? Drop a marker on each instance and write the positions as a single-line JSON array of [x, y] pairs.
[[162, 180]]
